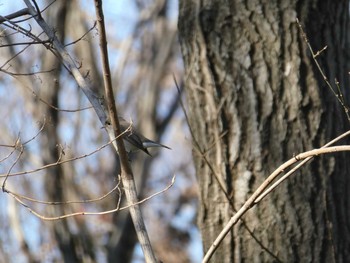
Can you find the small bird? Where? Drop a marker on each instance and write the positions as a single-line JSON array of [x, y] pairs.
[[134, 141]]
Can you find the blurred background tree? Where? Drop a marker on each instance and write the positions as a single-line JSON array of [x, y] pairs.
[[37, 92]]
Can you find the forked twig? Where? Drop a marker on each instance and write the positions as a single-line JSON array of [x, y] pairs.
[[94, 213], [339, 95], [59, 161]]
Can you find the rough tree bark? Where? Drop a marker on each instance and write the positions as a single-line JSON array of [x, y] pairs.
[[255, 100]]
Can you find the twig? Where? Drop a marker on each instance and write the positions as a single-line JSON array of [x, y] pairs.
[[80, 38], [20, 146], [126, 175], [22, 12], [338, 95], [294, 169], [58, 162], [94, 213], [251, 201], [68, 62], [22, 197]]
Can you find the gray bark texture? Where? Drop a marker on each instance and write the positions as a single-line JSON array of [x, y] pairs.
[[255, 99]]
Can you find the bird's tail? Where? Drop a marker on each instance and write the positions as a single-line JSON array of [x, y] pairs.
[[149, 144]]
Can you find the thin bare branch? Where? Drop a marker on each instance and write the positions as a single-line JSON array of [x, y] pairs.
[[58, 162], [294, 169], [20, 146], [127, 174], [338, 95], [251, 201], [94, 200], [22, 12], [94, 213]]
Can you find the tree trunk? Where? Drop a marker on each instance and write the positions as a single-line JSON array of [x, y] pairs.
[[72, 236], [255, 100]]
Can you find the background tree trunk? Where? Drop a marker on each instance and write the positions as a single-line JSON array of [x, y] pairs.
[[255, 100], [59, 185]]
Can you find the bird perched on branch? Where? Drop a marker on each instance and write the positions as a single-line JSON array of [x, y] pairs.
[[135, 141]]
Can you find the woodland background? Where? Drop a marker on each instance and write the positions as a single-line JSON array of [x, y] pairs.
[[40, 101], [232, 87]]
